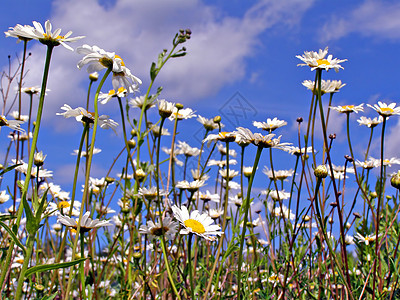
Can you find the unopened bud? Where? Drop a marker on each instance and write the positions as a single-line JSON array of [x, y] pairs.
[[94, 76], [332, 136], [321, 171], [179, 105], [299, 119], [395, 180], [131, 144]]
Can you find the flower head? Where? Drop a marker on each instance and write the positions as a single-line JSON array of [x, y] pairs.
[[12, 124], [139, 102], [196, 223], [348, 108], [371, 123], [46, 37], [270, 125], [318, 60], [165, 108], [208, 124], [386, 110], [169, 228], [120, 93], [327, 86], [86, 223], [182, 114]]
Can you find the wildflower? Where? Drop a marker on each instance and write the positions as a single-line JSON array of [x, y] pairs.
[[45, 37], [41, 173], [207, 196], [188, 151], [348, 108], [176, 152], [221, 163], [247, 171], [267, 141], [317, 60], [12, 124], [4, 197], [243, 136], [139, 102], [366, 239], [232, 174], [371, 123], [38, 158], [222, 149], [54, 190], [169, 228], [120, 93], [84, 154], [63, 207], [20, 32], [165, 108], [155, 129], [208, 124], [270, 125], [181, 114], [190, 186], [386, 110], [17, 116], [151, 193], [215, 213], [103, 210], [321, 171], [196, 223], [86, 223], [279, 174], [369, 164], [98, 59], [223, 136], [32, 90], [327, 86], [297, 151], [280, 195], [82, 115]]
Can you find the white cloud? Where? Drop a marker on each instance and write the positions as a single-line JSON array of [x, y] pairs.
[[372, 18], [139, 30]]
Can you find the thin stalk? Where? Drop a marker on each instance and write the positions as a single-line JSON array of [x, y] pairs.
[[171, 279], [246, 206], [190, 265], [30, 162]]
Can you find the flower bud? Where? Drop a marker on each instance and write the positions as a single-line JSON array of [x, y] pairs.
[[395, 180], [38, 158], [94, 76], [217, 119], [131, 144], [179, 105], [321, 171]]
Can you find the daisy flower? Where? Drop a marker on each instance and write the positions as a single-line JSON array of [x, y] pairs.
[[279, 174], [232, 173], [366, 239], [84, 154], [270, 125], [207, 196], [386, 110], [98, 59], [348, 108], [369, 164], [41, 173], [82, 115], [216, 213], [280, 195], [165, 108], [222, 149], [197, 223], [120, 93], [196, 174], [151, 193], [4, 197], [46, 37], [243, 136], [188, 151], [87, 223], [31, 90], [208, 124], [17, 116], [21, 32], [139, 101], [221, 163], [223, 136], [293, 150], [169, 228], [182, 114], [371, 123], [327, 86], [267, 141], [12, 124], [190, 186], [318, 60]]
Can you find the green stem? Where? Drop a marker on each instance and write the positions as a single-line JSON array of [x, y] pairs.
[[30, 162], [86, 186], [190, 265], [171, 279], [81, 267], [29, 249], [246, 206]]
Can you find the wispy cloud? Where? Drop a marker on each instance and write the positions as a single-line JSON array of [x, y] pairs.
[[373, 18], [139, 30]]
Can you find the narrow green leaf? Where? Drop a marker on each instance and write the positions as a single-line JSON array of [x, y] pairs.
[[13, 236], [6, 217], [48, 267], [9, 169], [153, 71], [30, 219], [178, 54]]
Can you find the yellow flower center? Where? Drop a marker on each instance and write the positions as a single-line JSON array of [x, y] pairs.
[[111, 92], [386, 161], [369, 239], [121, 89], [348, 106], [387, 109], [19, 260], [122, 62], [195, 225], [63, 204], [273, 278], [48, 36], [3, 121], [323, 62], [106, 62]]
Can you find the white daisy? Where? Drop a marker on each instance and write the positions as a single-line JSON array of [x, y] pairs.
[[86, 223], [317, 60], [386, 110], [370, 122], [348, 108], [182, 114], [105, 97], [169, 228], [12, 124], [270, 125], [196, 223]]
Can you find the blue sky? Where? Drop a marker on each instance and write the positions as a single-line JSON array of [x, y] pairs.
[[242, 49]]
